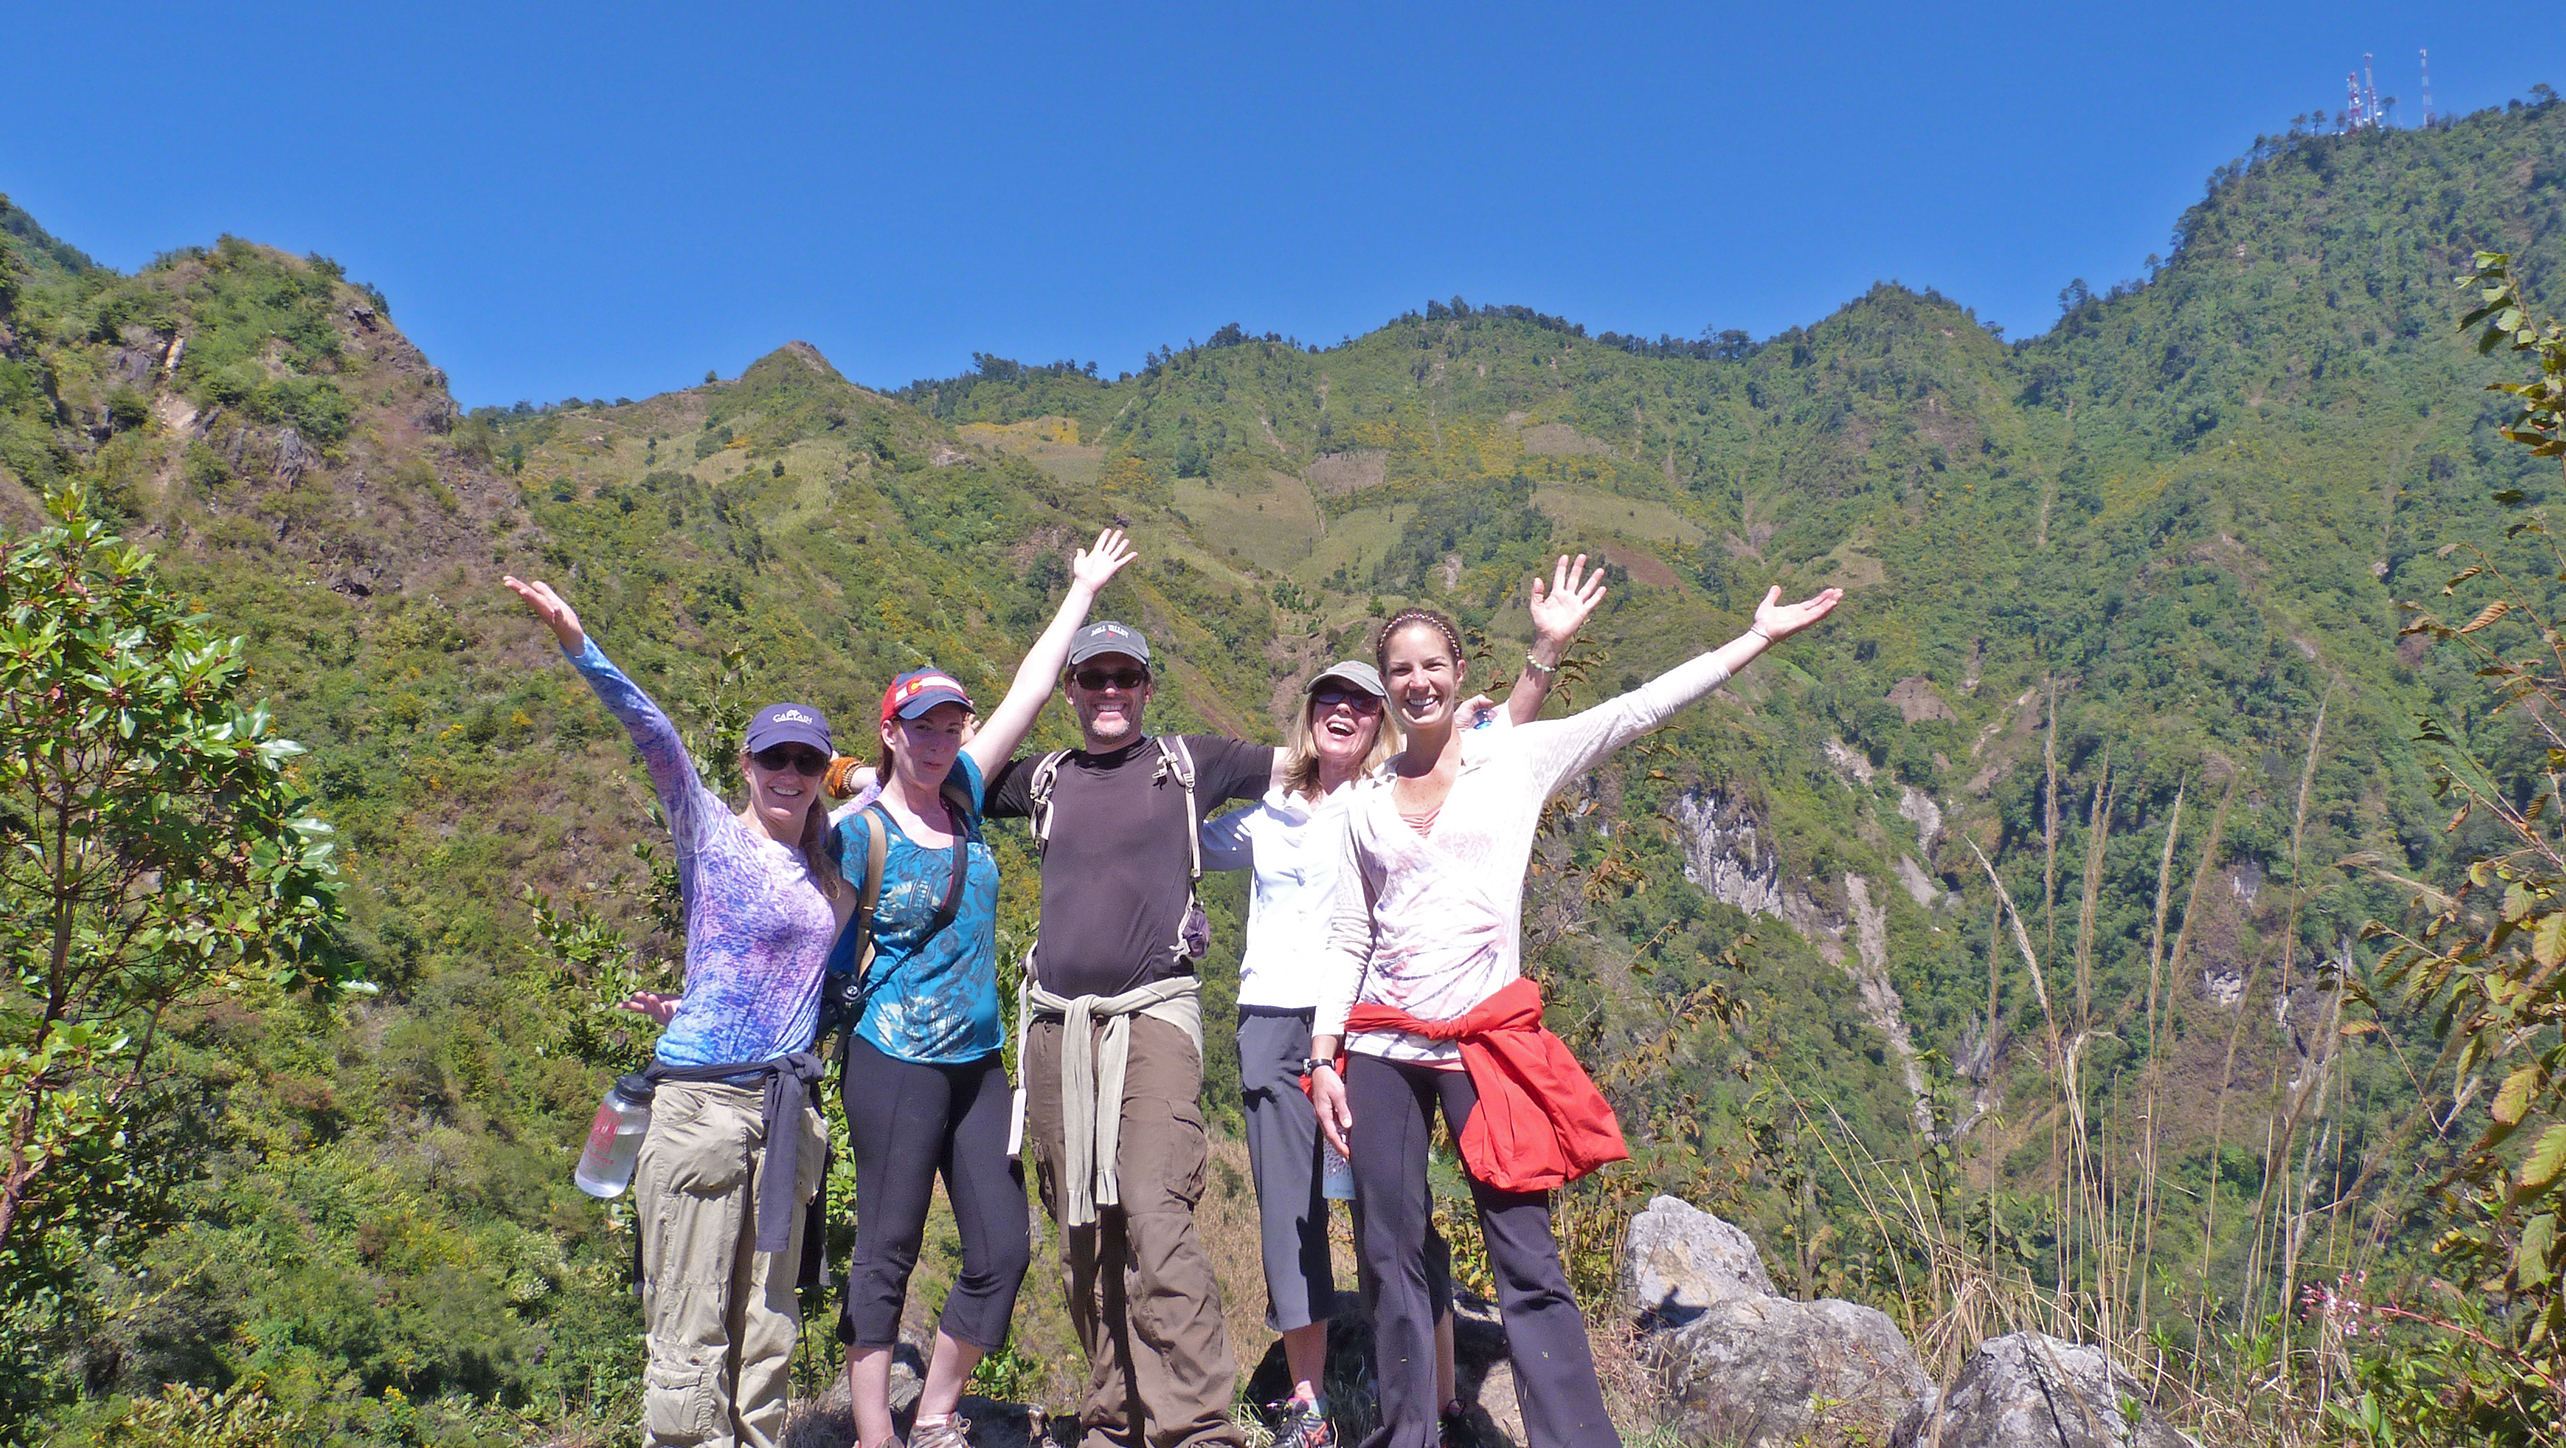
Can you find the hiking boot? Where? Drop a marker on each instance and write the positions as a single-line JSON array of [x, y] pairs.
[[1452, 1426], [953, 1432], [1304, 1425]]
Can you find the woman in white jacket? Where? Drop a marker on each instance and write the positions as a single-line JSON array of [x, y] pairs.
[[1291, 839]]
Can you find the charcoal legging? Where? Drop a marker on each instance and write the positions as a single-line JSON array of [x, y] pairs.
[[1393, 1107], [908, 1122]]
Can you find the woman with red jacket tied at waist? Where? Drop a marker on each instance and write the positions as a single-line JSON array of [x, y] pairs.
[[1426, 995]]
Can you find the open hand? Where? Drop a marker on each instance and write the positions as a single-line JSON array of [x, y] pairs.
[[550, 607], [652, 1004], [1780, 620], [1560, 612], [1095, 567]]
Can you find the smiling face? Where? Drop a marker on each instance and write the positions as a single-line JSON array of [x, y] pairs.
[[1344, 720], [1109, 693], [1423, 676], [923, 749], [781, 794]]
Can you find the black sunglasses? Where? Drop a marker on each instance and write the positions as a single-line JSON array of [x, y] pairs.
[[792, 757], [1361, 703], [1094, 679]]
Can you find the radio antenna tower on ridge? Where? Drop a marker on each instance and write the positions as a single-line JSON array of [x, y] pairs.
[[2361, 99], [2425, 57]]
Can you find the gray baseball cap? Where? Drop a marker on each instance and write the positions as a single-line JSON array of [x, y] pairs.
[[1350, 671], [1107, 638]]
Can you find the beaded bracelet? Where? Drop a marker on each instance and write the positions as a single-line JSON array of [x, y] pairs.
[[1538, 667]]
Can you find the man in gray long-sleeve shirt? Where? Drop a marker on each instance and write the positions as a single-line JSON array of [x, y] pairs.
[[1121, 1171]]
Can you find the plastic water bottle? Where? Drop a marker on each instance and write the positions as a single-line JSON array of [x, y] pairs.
[[614, 1143], [1336, 1174]]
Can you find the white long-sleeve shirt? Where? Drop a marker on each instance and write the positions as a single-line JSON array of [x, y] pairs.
[[1295, 847], [1436, 925]]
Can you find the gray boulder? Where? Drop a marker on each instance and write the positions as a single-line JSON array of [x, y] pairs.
[[2031, 1390], [1679, 1261], [1765, 1370]]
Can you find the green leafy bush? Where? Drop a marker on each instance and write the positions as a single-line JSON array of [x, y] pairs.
[[190, 1417], [2485, 967]]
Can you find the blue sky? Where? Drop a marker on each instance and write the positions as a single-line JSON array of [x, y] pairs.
[[576, 200]]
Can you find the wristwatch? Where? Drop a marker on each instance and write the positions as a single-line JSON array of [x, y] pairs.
[[1311, 1065]]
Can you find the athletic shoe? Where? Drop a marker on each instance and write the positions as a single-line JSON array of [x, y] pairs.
[[953, 1432], [1453, 1426], [1303, 1426]]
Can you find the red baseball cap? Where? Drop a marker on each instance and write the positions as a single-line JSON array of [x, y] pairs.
[[919, 690]]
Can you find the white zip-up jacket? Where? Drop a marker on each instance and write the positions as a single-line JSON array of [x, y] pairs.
[[1294, 846], [1436, 925]]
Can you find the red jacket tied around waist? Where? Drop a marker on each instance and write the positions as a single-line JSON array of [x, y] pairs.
[[1540, 1123]]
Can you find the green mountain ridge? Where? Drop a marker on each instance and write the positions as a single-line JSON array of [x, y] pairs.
[[2190, 508]]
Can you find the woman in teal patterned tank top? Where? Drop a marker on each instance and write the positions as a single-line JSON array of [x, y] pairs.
[[924, 1086]]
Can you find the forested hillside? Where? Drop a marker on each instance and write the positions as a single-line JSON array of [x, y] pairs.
[[2121, 638]]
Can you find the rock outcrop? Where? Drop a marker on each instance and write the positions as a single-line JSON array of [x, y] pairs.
[[1724, 854], [1679, 1262], [1767, 1371], [1742, 1364], [2031, 1390]]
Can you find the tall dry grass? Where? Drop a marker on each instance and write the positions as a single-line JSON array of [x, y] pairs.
[[2251, 1369]]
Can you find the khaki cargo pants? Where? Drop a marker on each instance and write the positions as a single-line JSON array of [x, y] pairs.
[[1140, 1286], [722, 1315]]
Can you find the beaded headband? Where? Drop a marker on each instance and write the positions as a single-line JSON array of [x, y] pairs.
[[1407, 616]]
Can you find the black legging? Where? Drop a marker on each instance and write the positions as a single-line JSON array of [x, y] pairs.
[[1393, 1106], [908, 1122]]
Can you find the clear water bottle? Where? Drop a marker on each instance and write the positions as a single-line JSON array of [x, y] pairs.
[[1336, 1174], [614, 1141]]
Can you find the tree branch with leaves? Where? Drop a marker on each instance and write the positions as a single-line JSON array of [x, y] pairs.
[[154, 848]]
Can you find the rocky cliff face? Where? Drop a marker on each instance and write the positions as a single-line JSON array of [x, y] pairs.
[[1728, 853]]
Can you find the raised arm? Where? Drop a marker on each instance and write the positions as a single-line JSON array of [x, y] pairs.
[[1564, 748], [682, 796], [1009, 723], [1556, 617]]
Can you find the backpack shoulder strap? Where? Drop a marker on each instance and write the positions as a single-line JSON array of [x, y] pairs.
[[958, 795], [1178, 760], [877, 847], [1038, 794]]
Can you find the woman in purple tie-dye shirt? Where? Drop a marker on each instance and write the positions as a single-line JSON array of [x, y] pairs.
[[764, 902]]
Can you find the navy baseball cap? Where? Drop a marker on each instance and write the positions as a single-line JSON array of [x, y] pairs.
[[1097, 639], [789, 724], [919, 690]]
